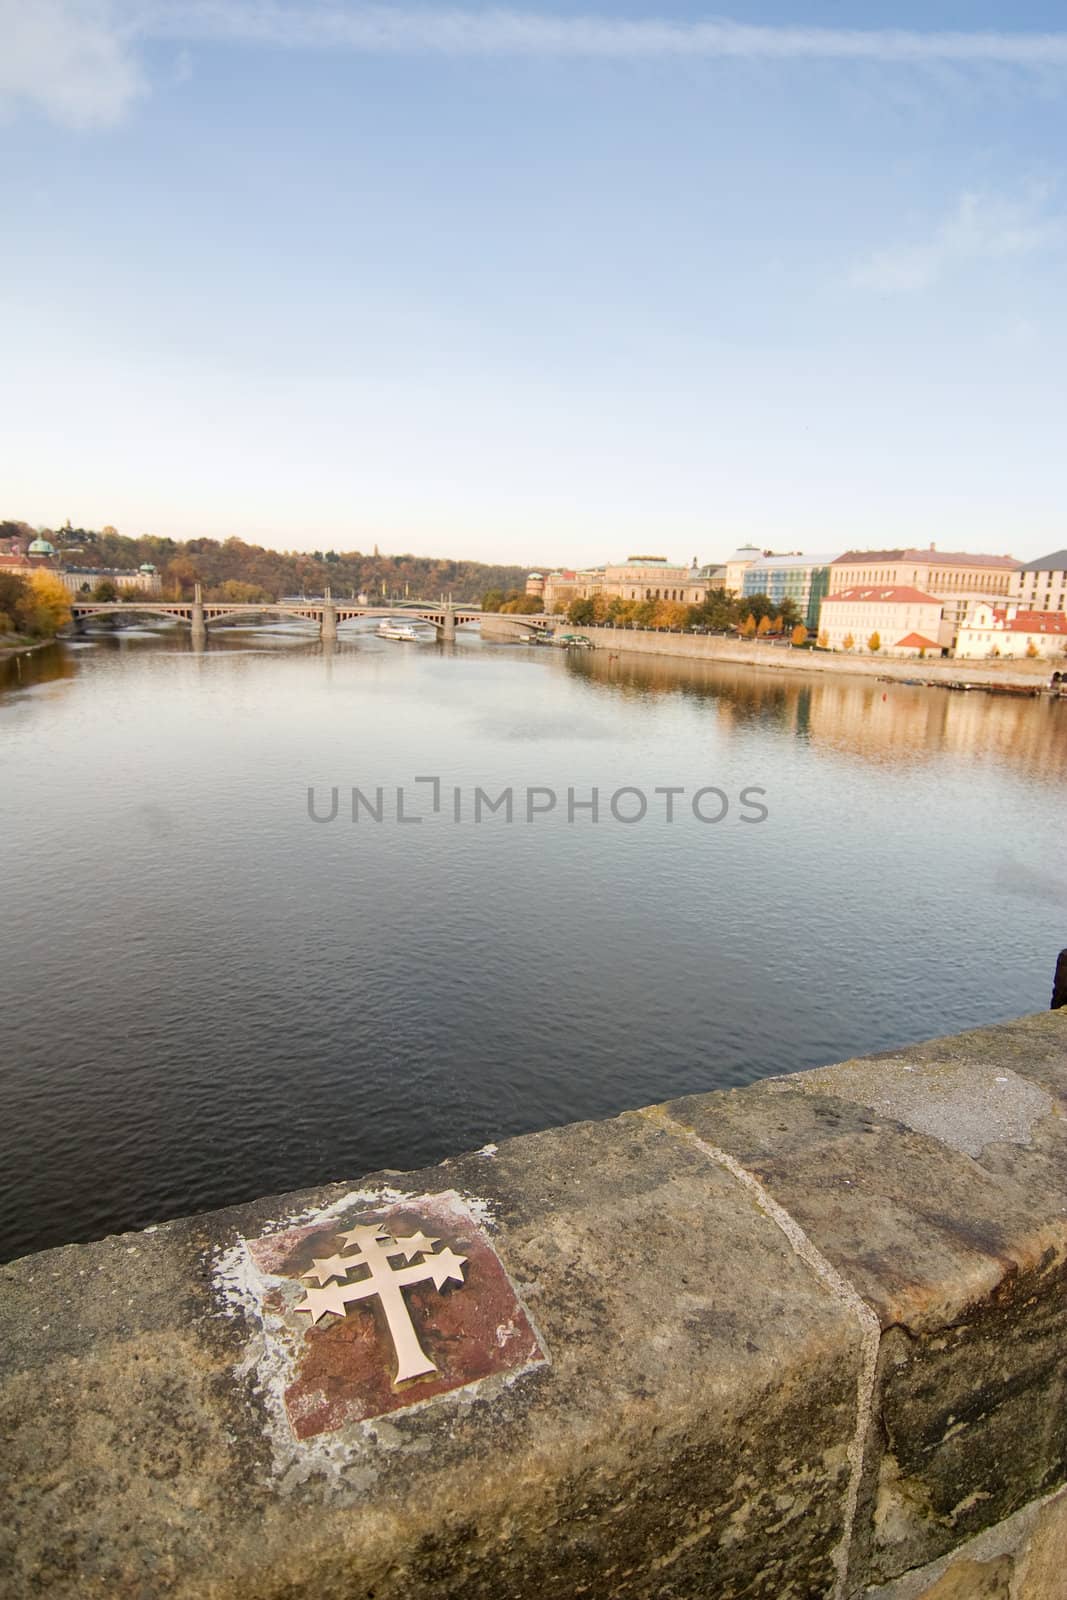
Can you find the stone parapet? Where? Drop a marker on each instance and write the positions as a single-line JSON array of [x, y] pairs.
[[804, 1339]]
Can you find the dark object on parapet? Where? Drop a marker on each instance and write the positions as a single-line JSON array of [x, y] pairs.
[[1059, 983]]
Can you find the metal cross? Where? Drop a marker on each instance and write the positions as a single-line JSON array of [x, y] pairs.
[[387, 1282]]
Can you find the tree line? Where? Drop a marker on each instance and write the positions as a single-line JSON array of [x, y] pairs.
[[751, 615], [231, 569]]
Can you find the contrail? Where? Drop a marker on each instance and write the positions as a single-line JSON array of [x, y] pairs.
[[379, 29]]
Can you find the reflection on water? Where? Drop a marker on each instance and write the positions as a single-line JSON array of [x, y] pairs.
[[33, 667], [206, 996], [858, 717]]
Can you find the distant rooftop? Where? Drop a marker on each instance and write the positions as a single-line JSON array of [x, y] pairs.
[[889, 594], [932, 556], [765, 562], [1056, 562]]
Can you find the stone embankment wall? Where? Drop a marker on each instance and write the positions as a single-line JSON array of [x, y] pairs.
[[805, 1339], [706, 647]]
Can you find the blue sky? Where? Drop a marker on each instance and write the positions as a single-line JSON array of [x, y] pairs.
[[537, 284]]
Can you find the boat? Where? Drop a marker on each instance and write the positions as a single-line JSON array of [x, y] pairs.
[[398, 630]]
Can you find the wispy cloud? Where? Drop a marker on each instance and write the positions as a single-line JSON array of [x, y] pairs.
[[978, 228], [78, 58], [68, 57]]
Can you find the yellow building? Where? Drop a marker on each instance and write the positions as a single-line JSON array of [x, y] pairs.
[[636, 578], [737, 565], [956, 579]]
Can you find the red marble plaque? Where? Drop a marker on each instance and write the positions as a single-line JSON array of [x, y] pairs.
[[416, 1283]]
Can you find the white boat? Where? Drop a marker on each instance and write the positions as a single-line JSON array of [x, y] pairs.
[[398, 630]]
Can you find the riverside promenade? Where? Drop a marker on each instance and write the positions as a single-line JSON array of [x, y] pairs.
[[803, 1340], [937, 671]]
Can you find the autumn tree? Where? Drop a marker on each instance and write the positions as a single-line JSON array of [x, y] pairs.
[[874, 643], [13, 593], [748, 627], [848, 642], [799, 635], [493, 599], [670, 614], [823, 641], [764, 626], [45, 607]]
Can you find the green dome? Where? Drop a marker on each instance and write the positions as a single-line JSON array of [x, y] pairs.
[[146, 566], [41, 547]]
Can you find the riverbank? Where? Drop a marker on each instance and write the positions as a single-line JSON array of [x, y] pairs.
[[937, 673], [12, 645]]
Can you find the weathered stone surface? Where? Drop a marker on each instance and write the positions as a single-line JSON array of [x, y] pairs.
[[934, 1180], [1041, 1565], [687, 1436], [1022, 1558]]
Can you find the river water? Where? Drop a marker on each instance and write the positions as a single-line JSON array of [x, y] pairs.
[[207, 996]]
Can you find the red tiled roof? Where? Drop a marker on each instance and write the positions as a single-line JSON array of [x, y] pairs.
[[886, 593], [915, 641], [1030, 621], [933, 558]]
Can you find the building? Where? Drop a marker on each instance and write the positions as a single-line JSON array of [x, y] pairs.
[[956, 579], [989, 631], [1042, 585], [83, 580], [567, 584], [803, 579], [535, 584], [655, 578], [906, 621], [41, 556], [737, 565], [637, 578]]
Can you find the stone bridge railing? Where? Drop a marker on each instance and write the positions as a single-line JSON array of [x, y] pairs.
[[804, 1339]]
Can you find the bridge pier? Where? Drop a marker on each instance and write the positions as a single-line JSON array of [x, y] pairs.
[[199, 622], [328, 621], [448, 627]]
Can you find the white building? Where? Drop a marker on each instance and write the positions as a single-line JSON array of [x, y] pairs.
[[990, 631], [1042, 585], [906, 621]]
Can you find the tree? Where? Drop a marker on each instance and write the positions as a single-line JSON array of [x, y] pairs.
[[874, 643], [581, 612], [823, 641], [764, 626], [105, 590], [13, 593], [492, 599], [799, 635], [1032, 650], [45, 607], [237, 593], [848, 642], [789, 612], [670, 614], [748, 627]]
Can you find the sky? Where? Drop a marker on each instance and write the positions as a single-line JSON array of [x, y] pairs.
[[550, 285]]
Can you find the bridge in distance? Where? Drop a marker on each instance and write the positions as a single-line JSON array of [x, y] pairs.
[[328, 613]]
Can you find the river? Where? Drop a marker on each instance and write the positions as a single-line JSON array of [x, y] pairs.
[[206, 995]]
